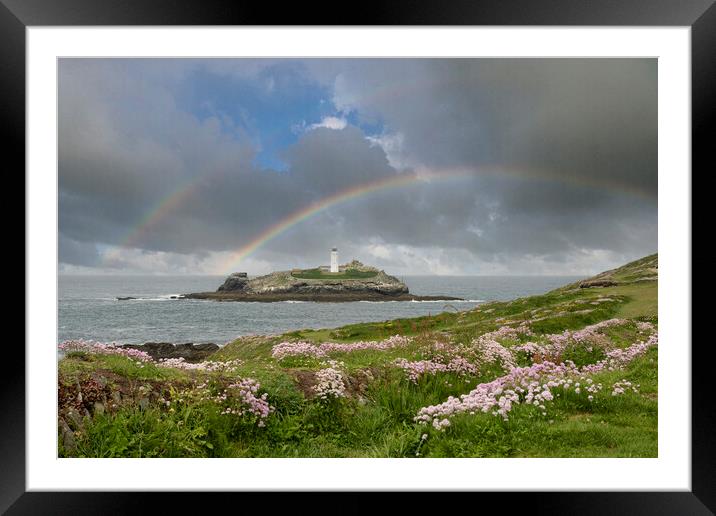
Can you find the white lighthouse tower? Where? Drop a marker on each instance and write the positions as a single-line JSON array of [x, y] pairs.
[[334, 259]]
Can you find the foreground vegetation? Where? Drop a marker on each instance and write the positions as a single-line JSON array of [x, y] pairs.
[[571, 373]]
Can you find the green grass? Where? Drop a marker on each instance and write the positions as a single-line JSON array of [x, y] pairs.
[[376, 420], [383, 427], [347, 274], [81, 364]]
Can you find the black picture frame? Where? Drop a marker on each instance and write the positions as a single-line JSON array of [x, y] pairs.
[[17, 15]]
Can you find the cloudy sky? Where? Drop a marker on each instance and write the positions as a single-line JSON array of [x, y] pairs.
[[417, 166]]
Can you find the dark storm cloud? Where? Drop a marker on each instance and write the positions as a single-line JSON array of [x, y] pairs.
[[562, 155], [125, 148], [77, 253], [578, 119]]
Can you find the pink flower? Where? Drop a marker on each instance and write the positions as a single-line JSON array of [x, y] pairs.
[[99, 348], [286, 349], [534, 384], [330, 381]]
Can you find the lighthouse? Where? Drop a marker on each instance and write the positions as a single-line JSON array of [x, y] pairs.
[[334, 259]]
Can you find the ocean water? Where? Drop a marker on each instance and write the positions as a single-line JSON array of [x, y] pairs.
[[88, 308]]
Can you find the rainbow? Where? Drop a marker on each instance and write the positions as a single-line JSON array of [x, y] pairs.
[[399, 180], [353, 192], [161, 209], [179, 195]]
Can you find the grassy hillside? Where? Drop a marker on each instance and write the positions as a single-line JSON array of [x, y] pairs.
[[570, 373]]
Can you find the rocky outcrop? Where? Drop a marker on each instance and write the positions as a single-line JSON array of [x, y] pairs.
[[637, 272], [284, 286], [285, 283], [236, 282], [598, 283], [357, 266], [189, 352]]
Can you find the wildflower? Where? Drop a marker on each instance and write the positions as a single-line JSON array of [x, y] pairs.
[[250, 403], [209, 366], [99, 348], [521, 384], [330, 381], [285, 349]]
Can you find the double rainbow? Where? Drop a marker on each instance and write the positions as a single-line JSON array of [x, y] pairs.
[[179, 195]]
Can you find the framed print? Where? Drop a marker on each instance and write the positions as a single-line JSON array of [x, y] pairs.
[[445, 249]]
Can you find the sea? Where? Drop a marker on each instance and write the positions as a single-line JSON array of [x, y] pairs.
[[88, 307]]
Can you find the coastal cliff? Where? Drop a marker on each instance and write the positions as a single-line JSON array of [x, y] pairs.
[[354, 282]]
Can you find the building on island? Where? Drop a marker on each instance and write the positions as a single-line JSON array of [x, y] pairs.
[[334, 259]]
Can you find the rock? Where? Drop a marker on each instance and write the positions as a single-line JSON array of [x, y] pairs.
[[189, 351], [598, 283], [80, 399], [125, 298], [235, 282], [68, 438], [98, 407], [356, 265], [74, 418], [283, 282], [101, 380]]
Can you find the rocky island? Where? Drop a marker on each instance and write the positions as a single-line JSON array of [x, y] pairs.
[[352, 281]]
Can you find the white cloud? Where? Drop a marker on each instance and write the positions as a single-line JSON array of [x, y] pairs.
[[378, 250], [116, 259], [330, 122], [392, 145]]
